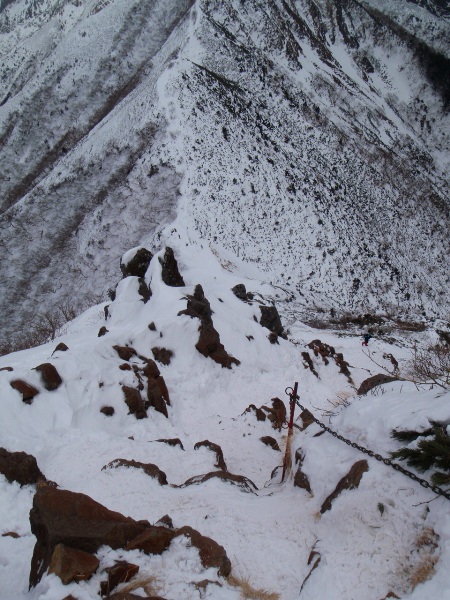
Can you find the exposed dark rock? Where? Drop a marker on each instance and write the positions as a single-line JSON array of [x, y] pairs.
[[220, 464], [165, 521], [208, 344], [172, 442], [211, 553], [321, 349], [71, 564], [144, 290], [374, 381], [28, 391], [152, 326], [308, 363], [169, 270], [301, 479], [50, 376], [6, 369], [138, 265], [314, 559], [134, 402], [155, 397], [260, 414], [444, 335], [154, 540], [125, 352], [343, 366], [102, 331], [307, 418], [157, 387], [148, 468], [276, 414], [75, 520], [61, 347], [107, 410], [273, 338], [268, 440], [12, 534], [243, 482], [20, 467], [348, 482], [271, 319], [162, 355], [121, 572], [240, 292]]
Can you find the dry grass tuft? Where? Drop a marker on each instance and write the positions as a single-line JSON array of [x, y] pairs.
[[423, 571], [150, 584], [248, 592]]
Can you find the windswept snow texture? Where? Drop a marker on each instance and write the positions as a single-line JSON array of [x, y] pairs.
[[310, 139]]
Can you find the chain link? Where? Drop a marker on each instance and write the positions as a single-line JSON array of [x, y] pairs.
[[387, 461]]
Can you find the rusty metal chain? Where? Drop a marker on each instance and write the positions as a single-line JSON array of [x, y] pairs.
[[387, 461]]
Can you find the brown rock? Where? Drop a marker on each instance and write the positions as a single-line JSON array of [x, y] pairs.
[[165, 521], [301, 479], [12, 534], [154, 540], [144, 290], [50, 376], [28, 391], [374, 381], [121, 572], [172, 442], [268, 440], [243, 482], [169, 270], [148, 468], [321, 349], [138, 265], [271, 319], [71, 564], [155, 397], [220, 464], [102, 331], [20, 467], [162, 355], [307, 418], [75, 520], [260, 414], [125, 367], [6, 369], [308, 363], [107, 410], [134, 402], [61, 347], [348, 482], [211, 553], [240, 292], [277, 413], [125, 352], [151, 370]]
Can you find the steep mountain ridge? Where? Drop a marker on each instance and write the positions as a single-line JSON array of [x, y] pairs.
[[302, 137]]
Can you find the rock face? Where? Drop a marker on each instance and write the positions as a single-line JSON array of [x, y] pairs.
[[271, 319], [157, 392], [72, 565], [220, 464], [77, 521], [148, 468], [20, 467], [268, 440], [349, 482], [277, 413], [50, 376], [240, 292], [162, 355], [28, 391], [138, 265], [134, 402], [121, 572], [169, 270], [374, 381], [125, 352], [209, 341]]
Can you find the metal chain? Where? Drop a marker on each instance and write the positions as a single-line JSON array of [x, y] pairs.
[[387, 461]]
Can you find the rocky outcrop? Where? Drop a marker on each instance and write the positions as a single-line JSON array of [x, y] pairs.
[[241, 481], [148, 468], [133, 400], [70, 564], [20, 467], [211, 553], [121, 572], [220, 464], [209, 341], [50, 376], [271, 320], [162, 355], [308, 363], [277, 413], [240, 292], [348, 482], [125, 352], [75, 520], [172, 442], [260, 414], [374, 381], [169, 270], [61, 347], [138, 265], [102, 331], [107, 410], [28, 391], [268, 440]]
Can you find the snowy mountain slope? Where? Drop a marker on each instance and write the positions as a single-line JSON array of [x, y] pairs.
[[314, 123], [268, 534]]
